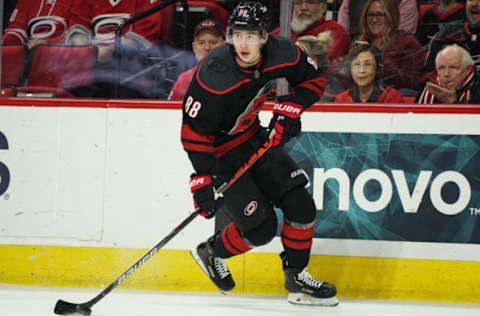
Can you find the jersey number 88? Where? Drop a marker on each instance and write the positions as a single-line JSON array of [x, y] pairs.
[[192, 107]]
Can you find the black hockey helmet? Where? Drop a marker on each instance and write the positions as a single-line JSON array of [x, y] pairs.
[[248, 15]]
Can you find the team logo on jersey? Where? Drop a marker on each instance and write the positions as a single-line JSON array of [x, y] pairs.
[[114, 2], [105, 25], [250, 208], [46, 26]]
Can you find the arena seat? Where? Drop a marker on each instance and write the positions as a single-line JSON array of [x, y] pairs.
[[13, 57], [57, 70]]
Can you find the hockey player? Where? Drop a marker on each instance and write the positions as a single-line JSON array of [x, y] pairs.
[[38, 22], [221, 130]]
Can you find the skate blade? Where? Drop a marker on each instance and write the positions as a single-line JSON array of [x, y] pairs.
[[199, 261], [302, 299]]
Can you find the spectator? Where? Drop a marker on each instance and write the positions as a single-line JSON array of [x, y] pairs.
[[207, 35], [456, 80], [144, 65], [316, 47], [95, 22], [402, 54], [36, 22], [350, 10], [365, 72], [434, 14], [463, 33], [309, 19]]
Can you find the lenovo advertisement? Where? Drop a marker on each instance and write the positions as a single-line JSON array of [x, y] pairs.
[[398, 187]]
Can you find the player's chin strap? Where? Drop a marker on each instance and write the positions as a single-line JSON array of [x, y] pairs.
[[67, 308], [256, 155]]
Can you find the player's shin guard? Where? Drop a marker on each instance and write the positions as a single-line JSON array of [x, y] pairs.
[[231, 243], [297, 241], [214, 267]]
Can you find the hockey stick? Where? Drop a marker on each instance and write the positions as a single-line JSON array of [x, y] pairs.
[[66, 308]]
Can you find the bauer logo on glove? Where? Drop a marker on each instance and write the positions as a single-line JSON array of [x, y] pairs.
[[203, 195], [286, 122]]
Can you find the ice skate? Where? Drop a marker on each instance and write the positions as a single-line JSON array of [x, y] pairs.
[[215, 268], [303, 289]]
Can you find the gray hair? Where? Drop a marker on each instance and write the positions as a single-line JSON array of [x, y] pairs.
[[464, 55]]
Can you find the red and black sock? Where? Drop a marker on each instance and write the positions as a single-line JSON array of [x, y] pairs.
[[297, 241], [230, 243]]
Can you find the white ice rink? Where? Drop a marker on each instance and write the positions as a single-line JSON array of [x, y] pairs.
[[33, 301]]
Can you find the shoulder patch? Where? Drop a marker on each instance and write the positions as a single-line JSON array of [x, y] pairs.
[[216, 65], [277, 44], [218, 73]]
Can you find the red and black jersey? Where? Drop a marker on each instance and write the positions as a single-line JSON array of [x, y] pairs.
[[460, 33], [221, 106], [431, 17], [38, 19], [99, 19], [380, 94]]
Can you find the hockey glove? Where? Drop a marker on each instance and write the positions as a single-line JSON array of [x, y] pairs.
[[203, 195], [286, 121]]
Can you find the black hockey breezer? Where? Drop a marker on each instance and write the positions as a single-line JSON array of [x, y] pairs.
[[304, 289], [214, 267]]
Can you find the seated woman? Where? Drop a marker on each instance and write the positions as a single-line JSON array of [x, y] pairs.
[[316, 47], [402, 53], [365, 72]]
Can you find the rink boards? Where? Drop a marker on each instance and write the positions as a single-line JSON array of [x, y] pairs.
[[87, 186]]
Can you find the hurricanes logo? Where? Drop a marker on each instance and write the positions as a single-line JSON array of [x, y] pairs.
[[104, 25], [42, 27], [250, 208]]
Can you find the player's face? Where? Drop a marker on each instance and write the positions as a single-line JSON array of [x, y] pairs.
[[363, 69], [377, 19], [247, 46], [451, 71], [204, 43], [472, 11]]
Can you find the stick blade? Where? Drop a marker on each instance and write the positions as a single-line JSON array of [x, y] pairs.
[[66, 308]]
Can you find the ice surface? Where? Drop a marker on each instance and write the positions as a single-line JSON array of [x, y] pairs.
[[39, 301]]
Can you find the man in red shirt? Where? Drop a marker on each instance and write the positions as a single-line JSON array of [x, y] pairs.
[[309, 19], [207, 35]]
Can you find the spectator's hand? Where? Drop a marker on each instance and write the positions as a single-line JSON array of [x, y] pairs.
[[446, 94], [35, 42], [80, 40], [105, 52]]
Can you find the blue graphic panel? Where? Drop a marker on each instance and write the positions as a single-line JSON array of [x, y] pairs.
[[447, 165]]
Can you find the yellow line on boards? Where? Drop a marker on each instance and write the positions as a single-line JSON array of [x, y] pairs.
[[254, 273]]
